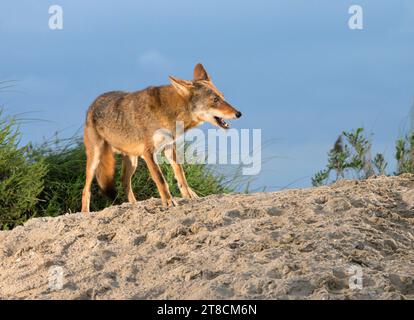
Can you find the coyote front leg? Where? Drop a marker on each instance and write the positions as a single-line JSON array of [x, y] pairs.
[[159, 180], [186, 191]]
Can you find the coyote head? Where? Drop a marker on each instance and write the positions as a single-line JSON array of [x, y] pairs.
[[207, 103]]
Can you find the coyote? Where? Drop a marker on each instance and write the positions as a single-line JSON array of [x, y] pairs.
[[129, 123]]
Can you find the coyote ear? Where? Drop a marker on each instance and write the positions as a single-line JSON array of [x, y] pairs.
[[200, 73], [183, 87]]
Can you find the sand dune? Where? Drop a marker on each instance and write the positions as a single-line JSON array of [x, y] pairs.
[[352, 240]]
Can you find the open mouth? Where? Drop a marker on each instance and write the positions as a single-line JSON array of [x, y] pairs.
[[221, 123]]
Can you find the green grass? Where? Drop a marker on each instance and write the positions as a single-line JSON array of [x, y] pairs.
[[21, 176], [351, 158]]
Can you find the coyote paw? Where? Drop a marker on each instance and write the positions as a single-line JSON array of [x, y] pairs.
[[188, 193], [132, 199], [169, 203], [192, 194]]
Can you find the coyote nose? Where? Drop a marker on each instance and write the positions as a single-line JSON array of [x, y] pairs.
[[238, 114]]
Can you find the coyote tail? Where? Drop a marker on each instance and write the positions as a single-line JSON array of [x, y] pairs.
[[105, 172]]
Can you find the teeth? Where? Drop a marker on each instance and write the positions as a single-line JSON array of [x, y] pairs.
[[222, 123]]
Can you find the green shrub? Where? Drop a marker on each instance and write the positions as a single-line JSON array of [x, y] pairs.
[[351, 158], [404, 152], [21, 176]]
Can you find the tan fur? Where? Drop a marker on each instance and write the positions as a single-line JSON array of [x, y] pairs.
[[126, 122]]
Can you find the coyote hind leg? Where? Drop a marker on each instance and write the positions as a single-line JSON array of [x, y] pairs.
[[93, 147], [129, 165]]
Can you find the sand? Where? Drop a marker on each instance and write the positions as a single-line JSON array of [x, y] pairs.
[[351, 240]]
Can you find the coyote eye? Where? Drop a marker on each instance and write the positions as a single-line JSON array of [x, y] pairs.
[[216, 99]]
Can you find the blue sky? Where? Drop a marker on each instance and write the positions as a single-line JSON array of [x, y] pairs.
[[293, 68]]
